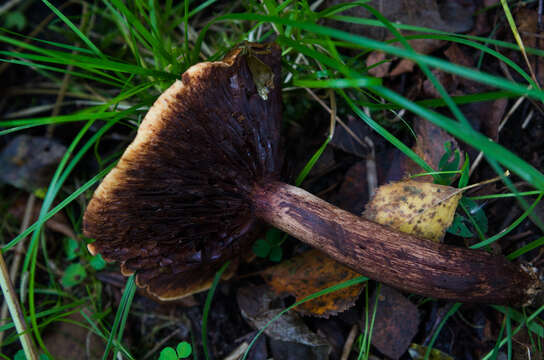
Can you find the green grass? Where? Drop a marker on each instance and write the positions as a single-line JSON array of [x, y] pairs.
[[132, 50], [207, 309]]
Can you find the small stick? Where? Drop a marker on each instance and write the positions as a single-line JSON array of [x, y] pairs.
[[238, 352], [15, 310], [349, 343], [18, 255], [160, 344]]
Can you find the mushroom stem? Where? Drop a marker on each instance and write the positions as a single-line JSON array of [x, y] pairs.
[[392, 257]]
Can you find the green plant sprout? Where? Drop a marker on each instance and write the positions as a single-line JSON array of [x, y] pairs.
[[182, 351], [270, 246]]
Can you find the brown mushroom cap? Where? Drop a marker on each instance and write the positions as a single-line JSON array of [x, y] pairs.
[[177, 204]]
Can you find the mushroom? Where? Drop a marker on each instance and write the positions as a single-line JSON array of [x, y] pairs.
[[203, 173]]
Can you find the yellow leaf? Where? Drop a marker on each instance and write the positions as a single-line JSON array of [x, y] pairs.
[[422, 209]]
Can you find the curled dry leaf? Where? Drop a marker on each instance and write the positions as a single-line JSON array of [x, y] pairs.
[[309, 273], [257, 307], [422, 209]]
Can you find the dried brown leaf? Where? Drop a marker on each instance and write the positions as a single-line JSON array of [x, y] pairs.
[[396, 322], [256, 306], [28, 162], [310, 272]]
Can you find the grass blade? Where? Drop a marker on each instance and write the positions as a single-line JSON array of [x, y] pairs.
[[122, 313], [207, 307], [74, 28]]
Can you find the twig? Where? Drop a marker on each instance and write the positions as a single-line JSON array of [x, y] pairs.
[[371, 170], [501, 126], [238, 352], [349, 343], [348, 130], [5, 8], [366, 146], [35, 32], [160, 344], [539, 18], [18, 254], [15, 310]]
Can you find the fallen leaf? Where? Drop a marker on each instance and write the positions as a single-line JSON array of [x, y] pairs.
[[65, 339], [334, 330], [450, 16], [396, 322], [28, 162], [259, 350], [429, 146], [310, 272], [355, 182], [256, 306], [324, 164], [448, 81], [352, 140], [295, 351], [440, 15], [377, 64], [422, 209], [288, 327], [485, 116], [404, 66], [252, 300], [456, 55], [493, 116], [527, 21]]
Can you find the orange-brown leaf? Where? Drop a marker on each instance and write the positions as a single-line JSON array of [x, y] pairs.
[[310, 272]]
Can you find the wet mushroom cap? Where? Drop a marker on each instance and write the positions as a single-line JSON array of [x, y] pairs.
[[177, 204]]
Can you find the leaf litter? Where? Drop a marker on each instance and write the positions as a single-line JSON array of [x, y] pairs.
[[419, 208], [310, 272]]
